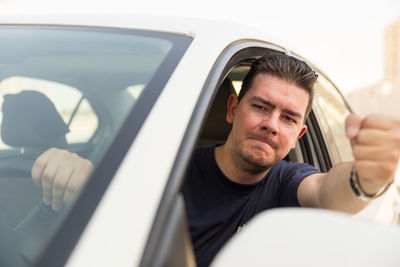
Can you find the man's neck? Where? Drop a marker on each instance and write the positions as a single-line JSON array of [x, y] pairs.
[[233, 170]]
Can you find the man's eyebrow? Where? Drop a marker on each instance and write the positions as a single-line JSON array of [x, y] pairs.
[[262, 100], [269, 104], [292, 113]]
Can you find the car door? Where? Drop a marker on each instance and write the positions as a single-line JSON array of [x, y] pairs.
[[86, 90]]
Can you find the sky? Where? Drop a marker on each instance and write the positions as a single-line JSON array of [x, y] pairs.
[[343, 38]]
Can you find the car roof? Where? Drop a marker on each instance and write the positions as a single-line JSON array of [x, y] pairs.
[[181, 25], [221, 33]]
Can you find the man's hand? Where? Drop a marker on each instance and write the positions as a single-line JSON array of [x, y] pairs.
[[60, 174], [375, 142]]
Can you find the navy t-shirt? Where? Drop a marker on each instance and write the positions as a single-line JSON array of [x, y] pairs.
[[217, 207]]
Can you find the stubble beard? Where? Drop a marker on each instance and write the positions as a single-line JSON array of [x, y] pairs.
[[247, 162]]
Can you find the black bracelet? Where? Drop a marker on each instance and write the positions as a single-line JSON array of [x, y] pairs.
[[359, 191], [353, 186]]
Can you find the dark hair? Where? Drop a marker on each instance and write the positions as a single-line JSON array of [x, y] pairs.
[[285, 67]]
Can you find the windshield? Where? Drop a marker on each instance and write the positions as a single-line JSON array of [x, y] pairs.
[[81, 91]]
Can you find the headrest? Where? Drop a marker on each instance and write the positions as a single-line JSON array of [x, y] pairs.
[[30, 119]]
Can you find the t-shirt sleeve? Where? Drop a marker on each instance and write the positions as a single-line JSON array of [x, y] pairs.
[[291, 175]]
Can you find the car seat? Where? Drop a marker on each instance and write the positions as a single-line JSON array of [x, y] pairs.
[[216, 128], [30, 120]]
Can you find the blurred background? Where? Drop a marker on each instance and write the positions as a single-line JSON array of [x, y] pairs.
[[356, 43]]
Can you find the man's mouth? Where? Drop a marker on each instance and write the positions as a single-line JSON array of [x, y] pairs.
[[266, 140]]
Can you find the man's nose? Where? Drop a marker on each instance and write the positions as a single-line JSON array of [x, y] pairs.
[[271, 123]]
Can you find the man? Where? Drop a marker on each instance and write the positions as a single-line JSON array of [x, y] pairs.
[[246, 175], [228, 184]]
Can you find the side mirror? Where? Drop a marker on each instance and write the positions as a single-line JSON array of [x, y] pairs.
[[311, 237]]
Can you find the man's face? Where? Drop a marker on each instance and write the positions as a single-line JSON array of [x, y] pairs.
[[267, 122]]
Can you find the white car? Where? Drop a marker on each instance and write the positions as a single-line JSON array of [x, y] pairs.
[[135, 95]]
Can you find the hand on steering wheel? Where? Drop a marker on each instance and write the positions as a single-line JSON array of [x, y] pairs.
[[60, 174]]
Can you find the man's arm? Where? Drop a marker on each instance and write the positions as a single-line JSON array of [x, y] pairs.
[[375, 142]]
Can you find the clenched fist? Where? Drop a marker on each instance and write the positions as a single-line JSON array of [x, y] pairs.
[[375, 143]]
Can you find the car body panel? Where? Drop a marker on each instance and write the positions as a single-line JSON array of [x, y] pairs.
[[328, 239]]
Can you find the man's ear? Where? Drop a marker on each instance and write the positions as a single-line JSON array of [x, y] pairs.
[[302, 132], [232, 105]]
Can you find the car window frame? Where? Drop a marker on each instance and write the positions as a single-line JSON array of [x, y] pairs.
[[65, 239], [321, 116]]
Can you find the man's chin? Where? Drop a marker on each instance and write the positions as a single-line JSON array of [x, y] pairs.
[[257, 165]]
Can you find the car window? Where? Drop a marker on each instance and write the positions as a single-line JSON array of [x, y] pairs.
[[73, 89], [333, 111]]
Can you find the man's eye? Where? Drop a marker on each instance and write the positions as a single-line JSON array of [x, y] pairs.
[[289, 119], [259, 107]]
